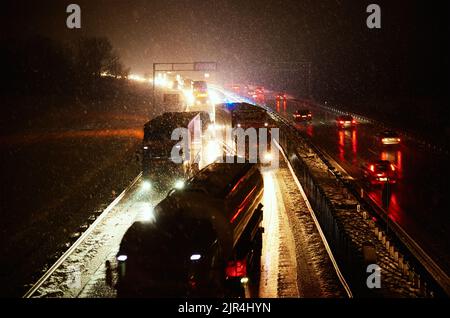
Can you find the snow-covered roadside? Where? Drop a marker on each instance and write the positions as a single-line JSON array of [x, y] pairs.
[[82, 265], [295, 262]]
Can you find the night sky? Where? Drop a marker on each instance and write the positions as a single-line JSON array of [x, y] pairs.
[[409, 55]]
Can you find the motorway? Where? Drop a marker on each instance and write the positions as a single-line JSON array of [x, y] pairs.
[[419, 202], [295, 259]]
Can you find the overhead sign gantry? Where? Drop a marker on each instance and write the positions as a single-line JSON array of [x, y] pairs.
[[202, 66]]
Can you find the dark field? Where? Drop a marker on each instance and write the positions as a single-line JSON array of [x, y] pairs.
[[60, 167]]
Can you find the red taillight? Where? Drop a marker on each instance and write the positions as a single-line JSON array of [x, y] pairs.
[[372, 168], [192, 283], [341, 122], [353, 121], [236, 268]]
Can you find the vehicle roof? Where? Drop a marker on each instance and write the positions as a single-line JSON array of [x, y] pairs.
[[345, 117], [163, 237], [199, 83], [217, 179], [380, 162], [163, 125], [246, 106], [389, 133], [303, 111]]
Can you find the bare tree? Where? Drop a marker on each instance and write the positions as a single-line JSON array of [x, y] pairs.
[[94, 56]]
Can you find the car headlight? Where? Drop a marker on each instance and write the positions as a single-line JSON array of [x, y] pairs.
[[179, 184], [146, 185], [147, 214], [268, 157], [122, 258]]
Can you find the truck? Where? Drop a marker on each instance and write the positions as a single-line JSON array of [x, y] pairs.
[[173, 101], [159, 169], [200, 92], [200, 89], [246, 115], [205, 240], [200, 98]]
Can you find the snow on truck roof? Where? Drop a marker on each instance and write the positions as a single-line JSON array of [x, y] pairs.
[[217, 179], [247, 107], [161, 127]]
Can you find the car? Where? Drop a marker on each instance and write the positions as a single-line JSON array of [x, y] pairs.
[[379, 172], [281, 97], [236, 88], [302, 115], [345, 121], [389, 137], [259, 90]]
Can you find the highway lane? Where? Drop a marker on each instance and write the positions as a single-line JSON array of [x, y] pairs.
[[419, 202], [294, 262]]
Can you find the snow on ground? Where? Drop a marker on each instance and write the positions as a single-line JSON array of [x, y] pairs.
[[316, 276], [85, 263], [294, 260]]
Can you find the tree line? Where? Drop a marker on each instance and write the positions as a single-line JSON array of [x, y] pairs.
[[40, 64]]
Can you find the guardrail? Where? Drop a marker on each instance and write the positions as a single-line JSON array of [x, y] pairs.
[[338, 271], [420, 265], [80, 240]]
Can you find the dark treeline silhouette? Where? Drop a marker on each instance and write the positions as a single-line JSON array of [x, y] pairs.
[[40, 65]]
